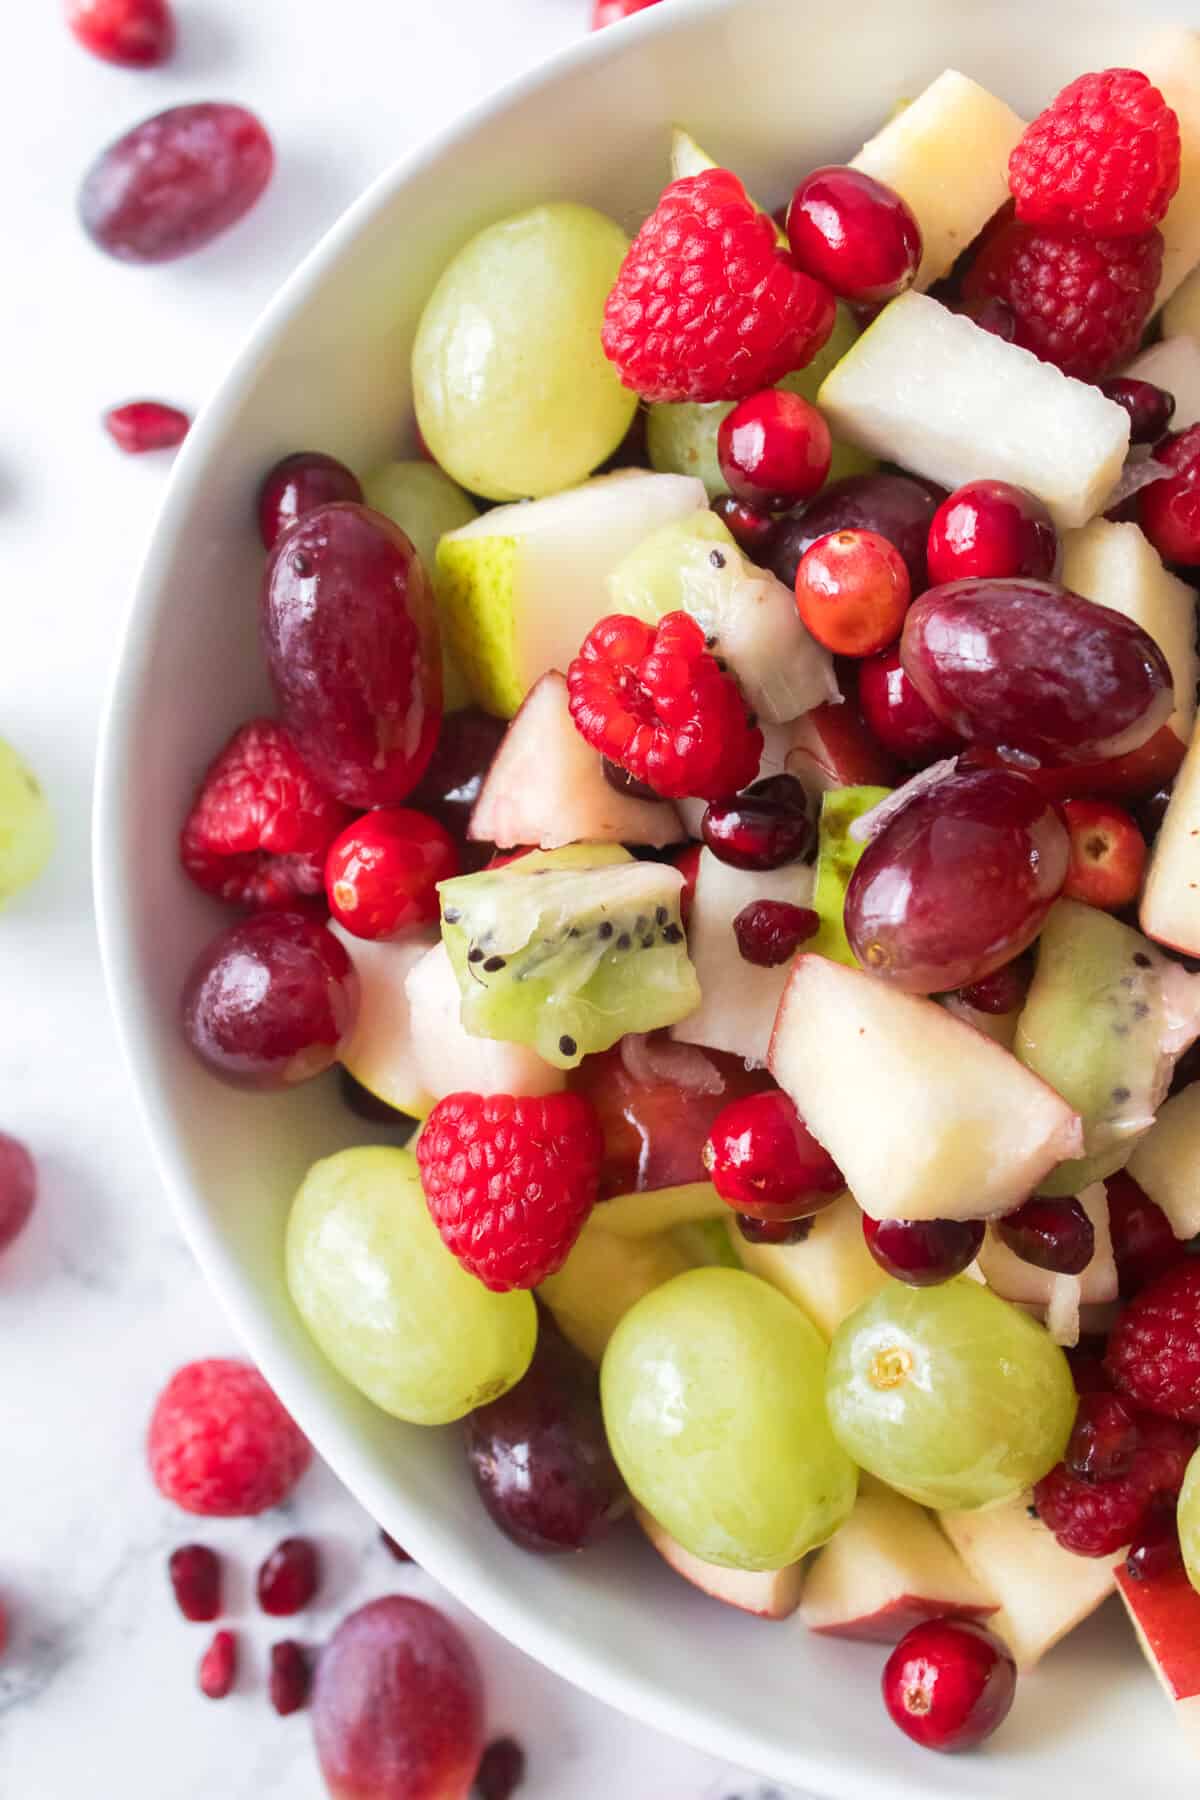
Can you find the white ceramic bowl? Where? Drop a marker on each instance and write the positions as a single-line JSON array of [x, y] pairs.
[[772, 86]]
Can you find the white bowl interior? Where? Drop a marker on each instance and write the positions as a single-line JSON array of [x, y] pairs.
[[771, 87]]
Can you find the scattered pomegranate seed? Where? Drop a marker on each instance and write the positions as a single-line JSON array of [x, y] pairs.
[[747, 525], [763, 1160], [773, 1231], [769, 932], [1143, 1243], [1108, 854], [289, 1577], [1003, 991], [949, 1683], [774, 450], [501, 1770], [855, 234], [296, 485], [195, 1573], [218, 1666], [765, 826], [142, 425], [382, 872], [1155, 1550], [991, 528], [291, 1676], [393, 1548], [923, 1252], [1103, 1439], [852, 591], [1050, 1234], [137, 34], [18, 1188], [1150, 408]]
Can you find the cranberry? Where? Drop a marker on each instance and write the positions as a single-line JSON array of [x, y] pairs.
[[1051, 1234], [949, 1683], [142, 425], [1155, 1551], [750, 528], [291, 1676], [298, 484], [1108, 855], [994, 315], [289, 1577], [854, 234], [1003, 991], [852, 591], [18, 1188], [769, 932], [270, 1001], [381, 874], [502, 1766], [1144, 1245], [175, 181], [763, 1160], [1169, 510], [765, 826], [195, 1573], [393, 1548], [1104, 1438], [218, 1666], [773, 1231], [897, 507], [688, 864], [923, 1252], [774, 449], [1150, 408], [896, 713], [462, 757], [137, 34], [991, 528]]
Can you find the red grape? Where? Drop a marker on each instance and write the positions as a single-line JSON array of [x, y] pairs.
[[897, 507], [297, 484], [923, 1252], [450, 786]]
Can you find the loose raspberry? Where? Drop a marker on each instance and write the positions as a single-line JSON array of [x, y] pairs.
[[221, 1444], [260, 827], [656, 703], [1103, 158], [1098, 1518], [707, 306], [1154, 1348], [1079, 302], [510, 1182]]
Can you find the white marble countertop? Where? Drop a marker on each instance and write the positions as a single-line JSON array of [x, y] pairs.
[[99, 1300]]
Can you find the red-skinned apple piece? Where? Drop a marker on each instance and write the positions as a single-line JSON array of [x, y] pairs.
[[1165, 1612], [767, 1593], [828, 1274]]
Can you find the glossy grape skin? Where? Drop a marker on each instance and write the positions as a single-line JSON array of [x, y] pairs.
[[539, 1456], [389, 1305], [957, 883], [1051, 1234], [1035, 668], [352, 649], [270, 1001], [713, 1402], [855, 234], [774, 450], [1188, 1519], [899, 507], [949, 1394], [765, 826], [26, 824], [453, 777], [923, 1252]]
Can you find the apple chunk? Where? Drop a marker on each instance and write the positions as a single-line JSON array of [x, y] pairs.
[[1174, 364], [1171, 59], [1165, 1611], [887, 1569], [767, 1593], [1170, 909], [1166, 1164], [828, 1274], [1014, 1279], [925, 1117]]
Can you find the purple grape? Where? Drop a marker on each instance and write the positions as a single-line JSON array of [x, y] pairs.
[[899, 507]]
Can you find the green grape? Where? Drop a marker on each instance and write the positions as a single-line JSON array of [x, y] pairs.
[[1188, 1520], [26, 824], [949, 1394], [514, 394], [392, 1309], [426, 504], [713, 1398]]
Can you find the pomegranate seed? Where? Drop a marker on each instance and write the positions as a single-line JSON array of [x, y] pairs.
[[991, 528], [381, 874], [143, 425], [773, 1231], [195, 1573], [18, 1188], [763, 1160], [393, 1548], [137, 34], [1003, 991], [1050, 1234], [501, 1770], [923, 1252], [1155, 1551], [1104, 1438], [1150, 408], [291, 1676], [774, 450], [688, 863], [622, 782], [1108, 855], [896, 714], [750, 528], [765, 826], [852, 592], [296, 485], [289, 1577], [854, 234], [175, 182], [1144, 1245], [218, 1666], [769, 932], [949, 1683]]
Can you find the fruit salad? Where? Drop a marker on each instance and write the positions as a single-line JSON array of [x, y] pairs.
[[731, 816]]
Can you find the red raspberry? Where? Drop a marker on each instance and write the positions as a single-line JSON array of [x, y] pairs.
[[1079, 302], [510, 1182], [707, 306], [1098, 1518], [260, 827], [1168, 511], [221, 1444], [1154, 1347], [1143, 1243], [656, 703], [1103, 158]]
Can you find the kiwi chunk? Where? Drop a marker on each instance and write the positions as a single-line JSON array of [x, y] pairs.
[[837, 859]]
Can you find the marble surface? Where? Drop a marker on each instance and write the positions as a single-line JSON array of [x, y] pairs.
[[100, 1300]]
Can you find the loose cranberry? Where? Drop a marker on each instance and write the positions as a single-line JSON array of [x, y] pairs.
[[501, 1770], [381, 874], [289, 1577], [218, 1666], [896, 713], [1150, 408], [773, 1231], [765, 826], [195, 1573], [852, 591], [994, 315], [923, 1252], [393, 1548], [774, 450], [688, 864], [137, 34], [142, 425], [1104, 1438], [18, 1188], [1050, 1234], [750, 528], [296, 485], [462, 757], [854, 234], [949, 1683], [991, 528], [769, 932], [1169, 510], [1108, 855], [175, 181], [290, 1679], [1003, 991], [763, 1160], [1155, 1551]]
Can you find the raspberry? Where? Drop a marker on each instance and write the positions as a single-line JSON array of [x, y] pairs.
[[510, 1182], [1097, 1518], [221, 1444], [1103, 158], [1154, 1348], [1079, 302], [260, 827], [707, 306], [656, 703]]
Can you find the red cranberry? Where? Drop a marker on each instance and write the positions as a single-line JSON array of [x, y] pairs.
[[774, 450], [949, 1683], [296, 485], [195, 1573], [854, 234], [750, 528], [769, 932], [1169, 510], [994, 315], [1144, 1245], [175, 181], [1155, 1551], [1108, 855], [142, 425], [896, 714], [765, 826], [137, 34], [270, 1001], [852, 591], [1150, 408], [462, 756], [1104, 1438], [501, 1770], [289, 1577], [18, 1188], [218, 1666], [897, 507], [763, 1160], [1050, 1234], [991, 528], [773, 1231], [291, 1676], [393, 1548], [688, 864], [381, 874], [1003, 991], [923, 1252]]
